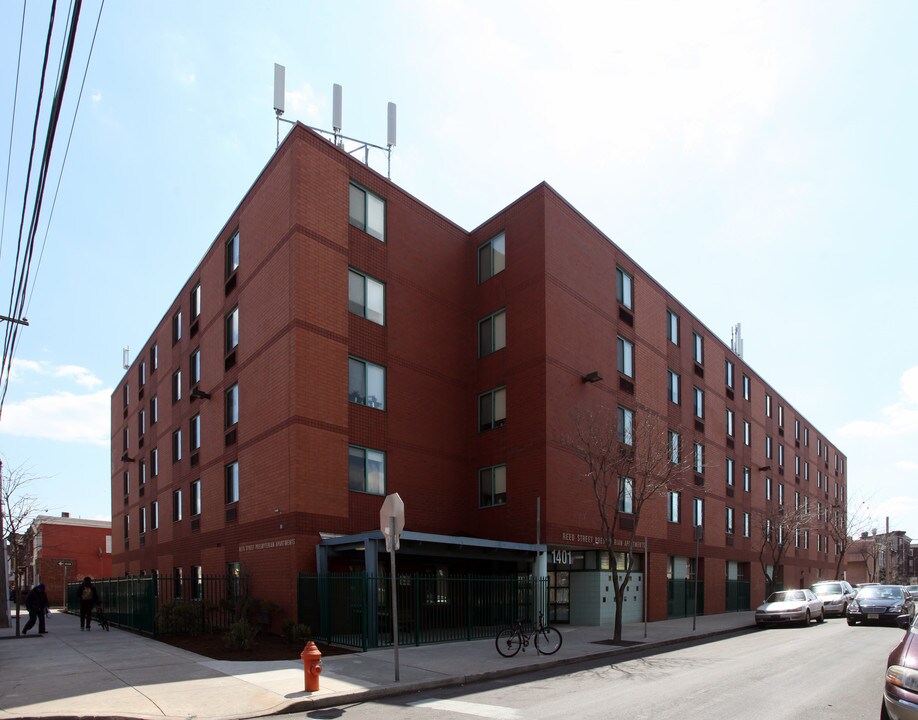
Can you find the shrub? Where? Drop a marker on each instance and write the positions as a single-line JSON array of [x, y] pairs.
[[186, 618], [241, 635], [295, 632]]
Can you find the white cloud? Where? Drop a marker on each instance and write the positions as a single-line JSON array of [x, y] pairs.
[[896, 420], [96, 96], [21, 368], [61, 416], [899, 510], [907, 465], [302, 104]]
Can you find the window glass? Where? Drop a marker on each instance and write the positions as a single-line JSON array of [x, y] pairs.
[[626, 494], [625, 425], [492, 409], [357, 207], [699, 348], [625, 357], [491, 259], [366, 383], [672, 327], [232, 254], [624, 288], [492, 334], [232, 483], [232, 329], [376, 216], [492, 486], [232, 405]]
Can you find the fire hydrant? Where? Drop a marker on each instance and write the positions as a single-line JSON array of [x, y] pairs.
[[312, 666]]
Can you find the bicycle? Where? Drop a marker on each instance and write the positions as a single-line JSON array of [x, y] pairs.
[[547, 640]]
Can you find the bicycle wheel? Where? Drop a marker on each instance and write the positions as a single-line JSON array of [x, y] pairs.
[[508, 642], [547, 641]]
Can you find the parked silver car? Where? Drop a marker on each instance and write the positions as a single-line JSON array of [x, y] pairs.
[[835, 596], [790, 606]]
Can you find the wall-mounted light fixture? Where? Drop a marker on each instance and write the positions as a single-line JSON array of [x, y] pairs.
[[591, 377], [127, 458], [199, 395]]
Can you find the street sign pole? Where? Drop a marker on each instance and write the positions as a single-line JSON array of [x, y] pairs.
[[394, 594]]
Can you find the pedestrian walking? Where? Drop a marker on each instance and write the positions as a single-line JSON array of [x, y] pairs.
[[89, 598], [37, 605]]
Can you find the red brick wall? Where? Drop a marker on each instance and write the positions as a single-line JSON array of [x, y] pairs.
[[84, 547]]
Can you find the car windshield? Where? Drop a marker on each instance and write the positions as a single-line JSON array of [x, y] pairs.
[[787, 596], [880, 592], [828, 589]]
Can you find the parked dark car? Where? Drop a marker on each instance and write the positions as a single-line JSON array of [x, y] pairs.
[[880, 604], [835, 596], [900, 695]]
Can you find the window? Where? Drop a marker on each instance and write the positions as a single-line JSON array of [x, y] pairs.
[[126, 437], [626, 495], [767, 405], [699, 458], [768, 488], [195, 498], [492, 409], [625, 357], [796, 429], [781, 454], [768, 530], [746, 387], [699, 403], [673, 387], [127, 528], [176, 327], [366, 470], [624, 288], [728, 373], [367, 212], [141, 423], [231, 405], [746, 524], [492, 333], [127, 482], [730, 476], [177, 582], [232, 329], [768, 447], [728, 521], [142, 471], [625, 425], [176, 386], [366, 297], [154, 462], [674, 447], [672, 327], [747, 433], [697, 512], [698, 344], [194, 433], [491, 258], [780, 415], [673, 506], [154, 357], [747, 479], [231, 475], [806, 470], [797, 501], [780, 493], [492, 486], [194, 367], [197, 582], [142, 374], [366, 383], [806, 437], [818, 479], [195, 302], [154, 410], [154, 515], [142, 519], [232, 254], [176, 505], [730, 428], [177, 445]]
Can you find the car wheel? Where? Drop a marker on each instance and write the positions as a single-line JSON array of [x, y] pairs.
[[806, 620], [822, 617], [851, 621], [760, 625], [883, 714]]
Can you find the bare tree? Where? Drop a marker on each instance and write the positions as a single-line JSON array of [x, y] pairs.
[[630, 457], [780, 528], [870, 551], [845, 522], [18, 508]]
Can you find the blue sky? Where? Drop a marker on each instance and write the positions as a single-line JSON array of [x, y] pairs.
[[757, 159]]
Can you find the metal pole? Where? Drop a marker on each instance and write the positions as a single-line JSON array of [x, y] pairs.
[[394, 596], [695, 598], [646, 572]]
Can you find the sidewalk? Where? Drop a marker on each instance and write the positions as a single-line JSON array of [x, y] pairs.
[[117, 674]]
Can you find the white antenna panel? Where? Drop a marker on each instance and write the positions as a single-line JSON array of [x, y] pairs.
[[336, 107], [126, 357], [390, 126], [279, 88]]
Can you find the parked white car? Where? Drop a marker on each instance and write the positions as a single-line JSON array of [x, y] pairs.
[[835, 596], [790, 606]]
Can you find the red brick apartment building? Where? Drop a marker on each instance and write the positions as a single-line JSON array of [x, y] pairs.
[[340, 341]]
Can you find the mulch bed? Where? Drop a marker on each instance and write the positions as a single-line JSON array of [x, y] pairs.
[[267, 647]]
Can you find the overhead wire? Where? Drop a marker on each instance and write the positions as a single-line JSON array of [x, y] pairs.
[[22, 286]]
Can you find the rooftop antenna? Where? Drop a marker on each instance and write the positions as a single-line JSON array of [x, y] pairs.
[[736, 339], [336, 136], [126, 357]]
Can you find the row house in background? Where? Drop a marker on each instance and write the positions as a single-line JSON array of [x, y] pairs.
[[340, 341]]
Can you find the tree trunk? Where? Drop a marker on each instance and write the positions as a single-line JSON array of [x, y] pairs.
[[617, 626]]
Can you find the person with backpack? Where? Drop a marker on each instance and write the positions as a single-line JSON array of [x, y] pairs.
[[89, 598]]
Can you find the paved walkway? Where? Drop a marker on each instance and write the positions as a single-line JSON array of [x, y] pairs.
[[117, 674]]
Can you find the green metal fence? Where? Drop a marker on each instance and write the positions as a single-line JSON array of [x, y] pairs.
[[738, 592], [190, 605], [680, 595], [356, 610]]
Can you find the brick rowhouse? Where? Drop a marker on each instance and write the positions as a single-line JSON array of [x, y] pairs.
[[340, 341]]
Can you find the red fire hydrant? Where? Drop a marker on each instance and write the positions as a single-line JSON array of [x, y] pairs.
[[312, 666]]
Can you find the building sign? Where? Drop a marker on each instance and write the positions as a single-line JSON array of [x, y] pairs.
[[561, 557], [268, 545], [599, 541]]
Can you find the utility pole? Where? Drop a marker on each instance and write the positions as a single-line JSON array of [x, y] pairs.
[[4, 601]]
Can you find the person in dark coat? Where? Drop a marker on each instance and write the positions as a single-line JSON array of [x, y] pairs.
[[37, 605], [89, 598]]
